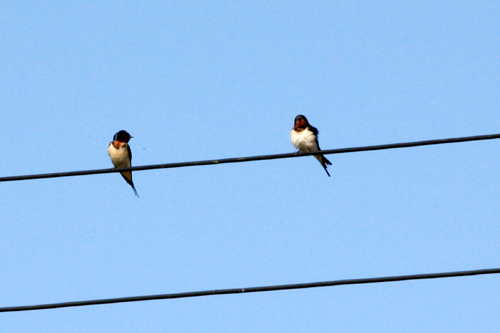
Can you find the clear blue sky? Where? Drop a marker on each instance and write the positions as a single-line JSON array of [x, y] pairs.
[[206, 80]]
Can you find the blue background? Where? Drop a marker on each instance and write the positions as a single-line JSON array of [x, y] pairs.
[[205, 80]]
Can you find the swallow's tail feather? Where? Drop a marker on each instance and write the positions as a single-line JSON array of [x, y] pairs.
[[324, 166], [324, 162], [133, 187], [128, 178]]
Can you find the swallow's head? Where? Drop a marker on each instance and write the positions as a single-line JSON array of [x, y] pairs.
[[122, 136], [301, 122]]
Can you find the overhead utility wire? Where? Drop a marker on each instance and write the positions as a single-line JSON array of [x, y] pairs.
[[254, 158], [250, 290]]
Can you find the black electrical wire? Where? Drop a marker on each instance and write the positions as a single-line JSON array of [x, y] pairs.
[[253, 158], [251, 290]]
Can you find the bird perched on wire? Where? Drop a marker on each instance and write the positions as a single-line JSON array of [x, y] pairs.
[[305, 138], [121, 155]]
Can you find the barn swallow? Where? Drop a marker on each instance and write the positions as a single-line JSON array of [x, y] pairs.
[[121, 155], [305, 138]]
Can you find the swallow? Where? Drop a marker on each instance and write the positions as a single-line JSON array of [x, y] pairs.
[[305, 138], [121, 155]]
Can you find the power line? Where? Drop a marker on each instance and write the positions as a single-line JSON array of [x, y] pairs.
[[253, 158], [251, 290]]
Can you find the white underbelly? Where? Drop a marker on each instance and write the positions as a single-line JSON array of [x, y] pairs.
[[304, 141], [119, 157]]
